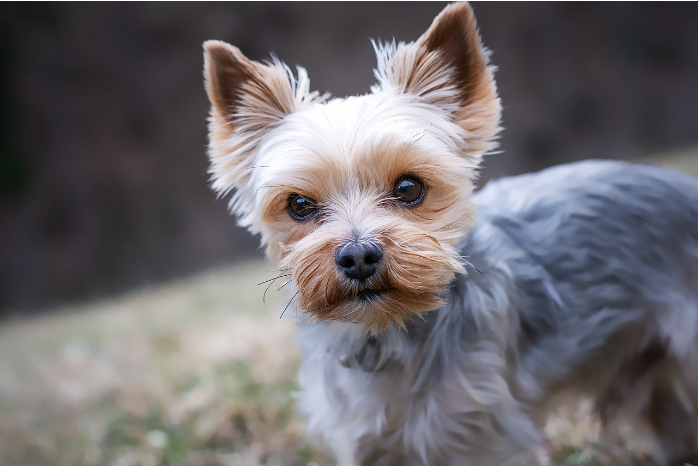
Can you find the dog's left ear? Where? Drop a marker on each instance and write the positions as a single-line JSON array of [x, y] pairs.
[[447, 67]]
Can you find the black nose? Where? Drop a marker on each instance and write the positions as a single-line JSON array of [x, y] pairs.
[[359, 260]]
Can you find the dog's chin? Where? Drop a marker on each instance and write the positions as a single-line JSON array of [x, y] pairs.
[[376, 309], [370, 295]]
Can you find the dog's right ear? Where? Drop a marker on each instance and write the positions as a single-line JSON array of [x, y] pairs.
[[226, 70], [248, 99], [237, 85]]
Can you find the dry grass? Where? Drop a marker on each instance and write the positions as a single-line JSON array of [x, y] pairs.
[[196, 372]]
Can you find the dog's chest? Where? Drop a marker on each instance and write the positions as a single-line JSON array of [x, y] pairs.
[[352, 388]]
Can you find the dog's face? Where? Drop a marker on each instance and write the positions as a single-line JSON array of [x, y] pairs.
[[361, 200]]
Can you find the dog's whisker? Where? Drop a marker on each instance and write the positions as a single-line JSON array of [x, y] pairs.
[[297, 290], [285, 284], [420, 134], [450, 225], [471, 265], [288, 304], [271, 282], [415, 141], [264, 295], [273, 278], [267, 186]]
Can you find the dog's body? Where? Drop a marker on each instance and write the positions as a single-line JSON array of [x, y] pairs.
[[588, 282], [433, 334]]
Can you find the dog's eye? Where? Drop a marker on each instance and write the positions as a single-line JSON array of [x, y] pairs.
[[300, 207], [408, 191]]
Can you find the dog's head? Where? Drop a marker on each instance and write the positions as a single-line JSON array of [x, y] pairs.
[[362, 200]]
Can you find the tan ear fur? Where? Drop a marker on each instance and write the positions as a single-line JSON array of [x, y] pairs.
[[226, 70], [247, 100], [448, 67], [235, 85]]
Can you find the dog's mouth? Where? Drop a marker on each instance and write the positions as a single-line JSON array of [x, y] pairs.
[[369, 295]]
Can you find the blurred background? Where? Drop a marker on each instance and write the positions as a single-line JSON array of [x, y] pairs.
[[104, 187], [103, 183]]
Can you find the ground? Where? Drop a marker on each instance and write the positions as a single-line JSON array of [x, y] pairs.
[[200, 371]]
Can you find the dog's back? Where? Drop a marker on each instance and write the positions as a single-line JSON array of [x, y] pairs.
[[605, 258]]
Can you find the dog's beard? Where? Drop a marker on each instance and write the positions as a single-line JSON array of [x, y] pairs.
[[413, 274]]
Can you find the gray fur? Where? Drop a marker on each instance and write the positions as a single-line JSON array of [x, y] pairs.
[[577, 270]]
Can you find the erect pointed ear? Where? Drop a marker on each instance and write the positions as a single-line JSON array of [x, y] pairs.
[[248, 99], [448, 67], [237, 85]]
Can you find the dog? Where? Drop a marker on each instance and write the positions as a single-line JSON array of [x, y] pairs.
[[440, 325]]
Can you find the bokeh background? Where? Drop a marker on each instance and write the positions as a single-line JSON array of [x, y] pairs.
[[105, 200]]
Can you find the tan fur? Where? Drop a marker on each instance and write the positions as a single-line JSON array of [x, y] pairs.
[[449, 67]]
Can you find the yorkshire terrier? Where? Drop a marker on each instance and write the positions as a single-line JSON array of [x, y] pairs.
[[440, 325]]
